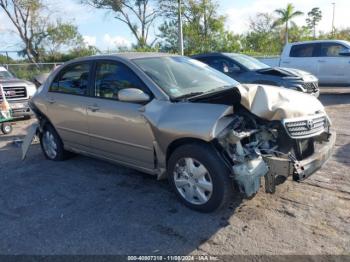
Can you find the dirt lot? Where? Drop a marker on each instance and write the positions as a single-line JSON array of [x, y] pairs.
[[86, 206]]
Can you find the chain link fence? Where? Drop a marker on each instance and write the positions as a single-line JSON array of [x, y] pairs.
[[28, 70]]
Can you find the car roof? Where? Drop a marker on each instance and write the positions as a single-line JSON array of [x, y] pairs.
[[215, 54], [320, 41], [124, 56]]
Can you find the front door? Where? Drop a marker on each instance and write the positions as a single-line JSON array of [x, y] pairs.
[[117, 129]]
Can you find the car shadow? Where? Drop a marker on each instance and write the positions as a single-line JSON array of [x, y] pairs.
[[336, 99], [342, 154], [98, 208]]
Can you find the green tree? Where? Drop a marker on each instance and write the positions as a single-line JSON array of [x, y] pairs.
[[35, 28], [71, 54], [203, 29], [138, 15], [262, 37], [314, 17], [285, 17]]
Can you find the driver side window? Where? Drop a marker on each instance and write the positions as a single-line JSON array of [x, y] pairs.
[[223, 65], [111, 77]]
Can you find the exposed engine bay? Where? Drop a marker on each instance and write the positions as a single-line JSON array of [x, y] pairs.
[[256, 148]]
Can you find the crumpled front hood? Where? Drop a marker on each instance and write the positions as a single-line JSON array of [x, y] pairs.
[[289, 72], [277, 103], [295, 72]]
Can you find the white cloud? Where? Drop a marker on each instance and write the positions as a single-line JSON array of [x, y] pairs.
[[72, 10], [89, 40], [116, 41], [238, 17]]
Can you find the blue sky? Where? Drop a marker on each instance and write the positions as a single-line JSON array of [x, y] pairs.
[[100, 28]]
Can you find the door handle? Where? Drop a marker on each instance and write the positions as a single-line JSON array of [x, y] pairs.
[[321, 61], [51, 100], [286, 62], [93, 108]]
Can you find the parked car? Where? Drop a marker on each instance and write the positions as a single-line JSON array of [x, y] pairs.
[[329, 60], [175, 117], [248, 70], [18, 92]]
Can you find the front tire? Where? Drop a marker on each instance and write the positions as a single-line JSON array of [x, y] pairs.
[[51, 144], [199, 177]]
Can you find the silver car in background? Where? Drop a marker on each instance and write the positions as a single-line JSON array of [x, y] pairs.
[[175, 117]]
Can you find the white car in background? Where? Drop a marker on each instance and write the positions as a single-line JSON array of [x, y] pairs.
[[328, 60]]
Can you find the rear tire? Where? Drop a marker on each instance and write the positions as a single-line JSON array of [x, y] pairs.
[[51, 144], [199, 177], [6, 128]]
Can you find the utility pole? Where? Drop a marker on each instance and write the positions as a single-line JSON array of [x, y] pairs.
[[181, 41], [333, 19]]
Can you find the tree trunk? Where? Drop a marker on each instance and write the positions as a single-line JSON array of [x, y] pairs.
[[286, 34], [314, 31]]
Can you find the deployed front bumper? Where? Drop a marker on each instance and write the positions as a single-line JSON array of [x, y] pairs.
[[299, 169], [310, 165]]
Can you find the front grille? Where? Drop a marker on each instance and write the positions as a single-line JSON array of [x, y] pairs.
[[309, 127], [310, 87], [15, 92]]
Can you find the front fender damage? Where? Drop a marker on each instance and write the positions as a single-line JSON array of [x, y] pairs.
[[247, 168]]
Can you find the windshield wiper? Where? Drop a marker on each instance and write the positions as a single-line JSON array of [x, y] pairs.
[[185, 96], [200, 94]]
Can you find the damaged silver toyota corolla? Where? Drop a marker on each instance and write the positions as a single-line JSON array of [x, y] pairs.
[[175, 117]]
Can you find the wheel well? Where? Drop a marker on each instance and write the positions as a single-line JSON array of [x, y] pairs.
[[182, 141]]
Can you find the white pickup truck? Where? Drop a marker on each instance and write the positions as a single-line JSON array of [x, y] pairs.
[[18, 92], [328, 60]]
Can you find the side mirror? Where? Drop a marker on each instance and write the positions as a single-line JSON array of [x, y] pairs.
[[345, 52], [133, 95]]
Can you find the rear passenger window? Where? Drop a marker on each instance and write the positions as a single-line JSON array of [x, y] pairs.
[[305, 50], [331, 49], [113, 76], [72, 80]]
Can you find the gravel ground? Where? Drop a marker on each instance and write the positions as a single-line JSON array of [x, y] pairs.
[[86, 206]]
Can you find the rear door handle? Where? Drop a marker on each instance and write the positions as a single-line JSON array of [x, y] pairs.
[[93, 108], [51, 100], [321, 61]]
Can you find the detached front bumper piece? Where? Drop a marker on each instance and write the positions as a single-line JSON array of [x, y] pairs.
[[300, 170], [310, 165]]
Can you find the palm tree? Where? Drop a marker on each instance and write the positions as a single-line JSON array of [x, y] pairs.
[[285, 16]]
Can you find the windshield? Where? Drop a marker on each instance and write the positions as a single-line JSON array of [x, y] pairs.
[[248, 62], [5, 74], [180, 76]]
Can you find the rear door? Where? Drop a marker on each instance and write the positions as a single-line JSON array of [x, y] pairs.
[[302, 56], [67, 101], [333, 68], [118, 130]]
